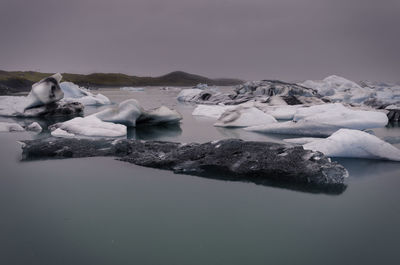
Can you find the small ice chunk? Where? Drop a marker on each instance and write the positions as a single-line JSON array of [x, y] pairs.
[[354, 143], [188, 94], [10, 127], [74, 93]]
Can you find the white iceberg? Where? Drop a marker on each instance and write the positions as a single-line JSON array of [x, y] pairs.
[[89, 126], [244, 117], [45, 91], [283, 112], [323, 120], [356, 144], [10, 127], [74, 93]]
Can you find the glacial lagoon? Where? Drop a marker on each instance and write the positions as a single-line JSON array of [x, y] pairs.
[[104, 211]]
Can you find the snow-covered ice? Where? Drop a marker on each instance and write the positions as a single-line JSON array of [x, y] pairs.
[[356, 144], [244, 117], [10, 127]]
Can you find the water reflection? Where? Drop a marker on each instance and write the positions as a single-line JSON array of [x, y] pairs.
[[154, 132]]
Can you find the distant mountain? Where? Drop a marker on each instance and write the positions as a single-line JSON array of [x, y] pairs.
[[19, 81]]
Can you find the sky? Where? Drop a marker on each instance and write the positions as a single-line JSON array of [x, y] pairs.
[[289, 40]]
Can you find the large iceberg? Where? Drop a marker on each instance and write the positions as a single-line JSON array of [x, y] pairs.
[[74, 93], [244, 117], [356, 144], [323, 120], [211, 111]]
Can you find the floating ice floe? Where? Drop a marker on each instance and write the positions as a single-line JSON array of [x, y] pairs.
[[132, 89], [10, 127], [302, 140], [89, 126], [356, 144], [74, 93], [323, 120], [244, 117], [160, 115], [188, 95]]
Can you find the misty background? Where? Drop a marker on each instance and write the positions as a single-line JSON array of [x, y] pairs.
[[254, 39]]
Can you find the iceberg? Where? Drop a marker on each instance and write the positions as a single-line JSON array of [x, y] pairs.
[[74, 93], [127, 112], [45, 92], [244, 117], [130, 113], [189, 94], [34, 126], [356, 144]]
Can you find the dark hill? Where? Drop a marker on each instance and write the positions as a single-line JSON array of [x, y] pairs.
[[18, 81]]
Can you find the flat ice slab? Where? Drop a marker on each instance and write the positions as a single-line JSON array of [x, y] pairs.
[[244, 117]]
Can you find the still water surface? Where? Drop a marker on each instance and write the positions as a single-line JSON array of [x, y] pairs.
[[103, 211]]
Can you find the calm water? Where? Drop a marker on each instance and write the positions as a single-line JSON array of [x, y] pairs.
[[103, 211]]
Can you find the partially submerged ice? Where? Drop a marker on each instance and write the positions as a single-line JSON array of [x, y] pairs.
[[258, 162], [356, 144]]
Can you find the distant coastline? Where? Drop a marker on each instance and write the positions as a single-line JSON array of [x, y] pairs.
[[21, 81]]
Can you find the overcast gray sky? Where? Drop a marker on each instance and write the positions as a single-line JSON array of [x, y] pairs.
[[249, 39]]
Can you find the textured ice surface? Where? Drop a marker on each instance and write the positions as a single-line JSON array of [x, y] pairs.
[[127, 112], [212, 111], [188, 94], [354, 143]]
